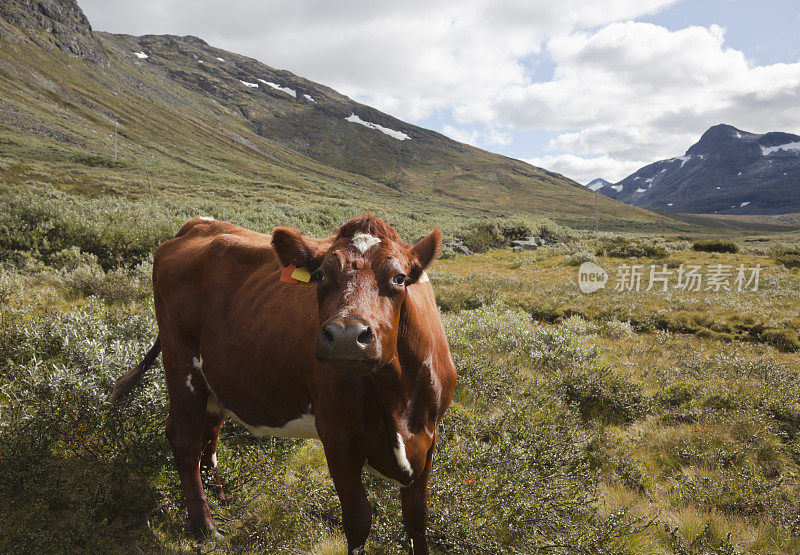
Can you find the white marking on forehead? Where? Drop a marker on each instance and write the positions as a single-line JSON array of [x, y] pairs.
[[207, 218], [364, 241], [400, 455], [189, 385]]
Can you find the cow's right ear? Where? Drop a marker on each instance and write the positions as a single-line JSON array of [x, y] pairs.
[[293, 249]]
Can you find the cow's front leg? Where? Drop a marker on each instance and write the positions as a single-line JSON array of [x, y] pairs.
[[344, 464], [414, 499]]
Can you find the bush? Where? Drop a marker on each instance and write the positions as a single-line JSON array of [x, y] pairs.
[[483, 236], [789, 260], [716, 245], [788, 256], [97, 160], [614, 329], [782, 339], [82, 275], [621, 247], [495, 233], [581, 255]]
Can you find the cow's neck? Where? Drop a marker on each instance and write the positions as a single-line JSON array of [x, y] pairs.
[[405, 384]]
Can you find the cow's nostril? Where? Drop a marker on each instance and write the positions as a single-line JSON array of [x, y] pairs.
[[327, 335], [365, 336]]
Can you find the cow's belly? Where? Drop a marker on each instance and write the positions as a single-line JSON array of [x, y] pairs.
[[304, 426]]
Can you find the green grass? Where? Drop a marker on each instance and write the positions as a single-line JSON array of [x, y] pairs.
[[594, 433]]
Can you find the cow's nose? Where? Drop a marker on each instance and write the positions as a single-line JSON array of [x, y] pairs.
[[345, 339]]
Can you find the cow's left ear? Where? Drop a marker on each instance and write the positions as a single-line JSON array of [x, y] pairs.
[[293, 249], [427, 249]]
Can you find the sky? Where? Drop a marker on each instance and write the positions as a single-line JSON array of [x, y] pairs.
[[581, 87]]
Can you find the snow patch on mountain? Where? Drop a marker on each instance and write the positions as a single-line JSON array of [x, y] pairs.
[[399, 135], [141, 55], [287, 90], [767, 150], [251, 85]]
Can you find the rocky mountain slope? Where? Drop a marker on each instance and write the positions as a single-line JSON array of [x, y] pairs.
[[728, 171], [201, 117]]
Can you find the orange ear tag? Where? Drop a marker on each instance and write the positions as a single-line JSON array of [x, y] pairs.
[[286, 274]]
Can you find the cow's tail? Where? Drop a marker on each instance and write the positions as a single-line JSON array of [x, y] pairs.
[[129, 379]]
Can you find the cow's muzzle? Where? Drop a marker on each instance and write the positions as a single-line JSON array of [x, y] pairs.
[[346, 338]]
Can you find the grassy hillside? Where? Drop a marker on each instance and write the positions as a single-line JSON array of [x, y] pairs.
[[192, 130]]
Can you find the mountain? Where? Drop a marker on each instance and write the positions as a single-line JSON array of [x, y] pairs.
[[597, 184], [196, 120], [728, 171]]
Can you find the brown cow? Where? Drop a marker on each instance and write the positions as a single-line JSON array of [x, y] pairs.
[[359, 359]]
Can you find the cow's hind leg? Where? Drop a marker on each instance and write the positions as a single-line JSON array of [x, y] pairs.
[[208, 460], [185, 427]]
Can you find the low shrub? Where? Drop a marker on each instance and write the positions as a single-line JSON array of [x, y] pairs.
[[483, 236], [784, 340], [580, 255], [98, 160], [787, 256], [621, 247], [495, 233], [715, 245]]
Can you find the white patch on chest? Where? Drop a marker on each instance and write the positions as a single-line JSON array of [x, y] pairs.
[[302, 427], [198, 362], [364, 241], [400, 455], [189, 385]]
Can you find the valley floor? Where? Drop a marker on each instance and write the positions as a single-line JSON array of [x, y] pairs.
[[613, 422]]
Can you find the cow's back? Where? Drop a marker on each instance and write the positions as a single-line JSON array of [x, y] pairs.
[[204, 252]]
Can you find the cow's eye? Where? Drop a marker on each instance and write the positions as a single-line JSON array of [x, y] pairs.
[[318, 276], [399, 279]]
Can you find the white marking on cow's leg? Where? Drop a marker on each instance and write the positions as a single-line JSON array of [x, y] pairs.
[[189, 385], [400, 455], [198, 362], [363, 241], [214, 459]]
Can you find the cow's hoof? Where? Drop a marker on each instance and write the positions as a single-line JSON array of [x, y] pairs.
[[205, 533]]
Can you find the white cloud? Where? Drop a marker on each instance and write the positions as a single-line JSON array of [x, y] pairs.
[[639, 92], [406, 58], [481, 138], [583, 170]]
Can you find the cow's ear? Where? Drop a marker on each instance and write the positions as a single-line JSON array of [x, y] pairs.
[[427, 249], [293, 249]]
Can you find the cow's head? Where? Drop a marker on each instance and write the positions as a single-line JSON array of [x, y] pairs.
[[361, 280]]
